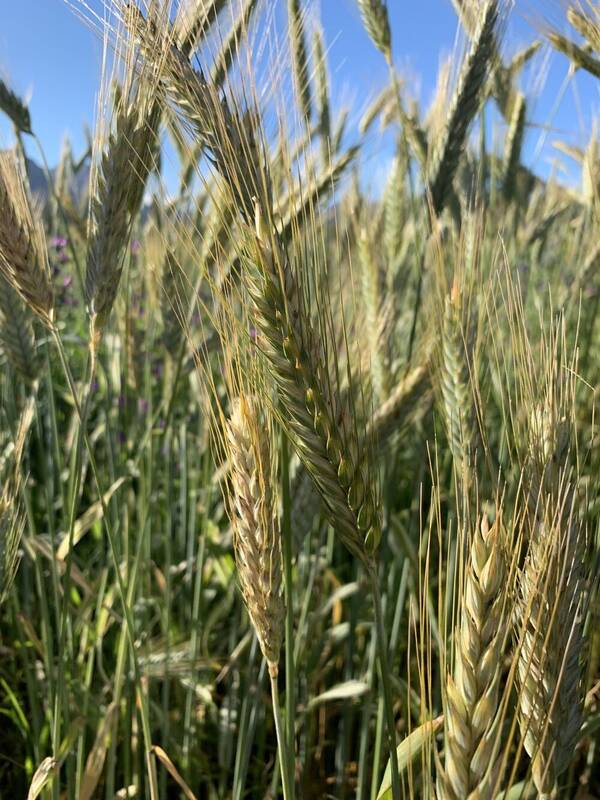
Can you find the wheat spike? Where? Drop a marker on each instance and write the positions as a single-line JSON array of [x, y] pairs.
[[514, 144], [379, 104], [463, 108], [122, 173], [456, 386], [393, 231], [16, 332], [375, 318], [12, 518], [471, 713], [23, 254], [586, 26], [172, 299], [299, 58], [551, 602], [580, 58], [252, 510], [376, 21], [193, 22], [314, 415], [225, 57], [15, 109], [227, 135], [551, 611], [322, 96]]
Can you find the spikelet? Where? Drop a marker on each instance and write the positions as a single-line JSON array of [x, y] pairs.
[[471, 713], [253, 515], [376, 21], [463, 108], [23, 253], [299, 58], [15, 109]]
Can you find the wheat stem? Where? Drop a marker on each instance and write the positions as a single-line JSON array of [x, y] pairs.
[[385, 682], [284, 761], [290, 670]]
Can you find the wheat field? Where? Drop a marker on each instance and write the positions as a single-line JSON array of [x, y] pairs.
[[299, 481]]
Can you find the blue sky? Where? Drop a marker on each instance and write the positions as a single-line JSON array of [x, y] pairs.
[[49, 55]]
